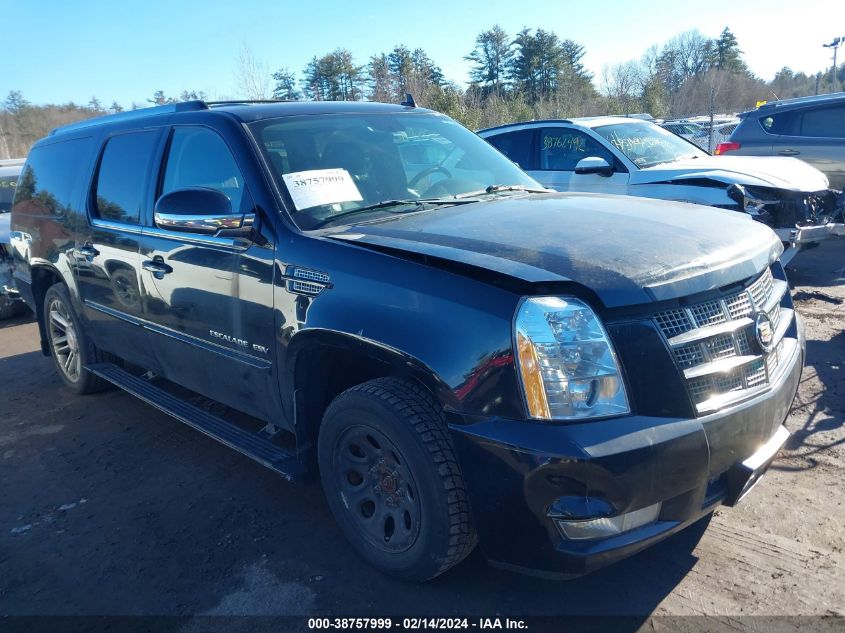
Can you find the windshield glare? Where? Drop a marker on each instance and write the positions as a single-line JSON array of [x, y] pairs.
[[647, 145], [332, 164]]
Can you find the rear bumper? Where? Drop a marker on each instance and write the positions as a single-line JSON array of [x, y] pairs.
[[523, 476]]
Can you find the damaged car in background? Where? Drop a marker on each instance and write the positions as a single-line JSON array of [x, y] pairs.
[[10, 302], [625, 156]]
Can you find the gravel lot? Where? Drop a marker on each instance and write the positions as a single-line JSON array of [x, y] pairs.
[[109, 507]]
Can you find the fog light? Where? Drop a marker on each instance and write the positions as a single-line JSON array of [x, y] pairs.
[[608, 526]]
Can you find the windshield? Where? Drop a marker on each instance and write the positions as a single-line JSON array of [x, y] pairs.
[[330, 166], [647, 145], [7, 192]]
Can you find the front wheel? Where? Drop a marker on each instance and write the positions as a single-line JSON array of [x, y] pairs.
[[392, 480]]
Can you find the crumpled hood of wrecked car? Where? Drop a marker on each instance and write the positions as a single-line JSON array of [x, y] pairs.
[[762, 171], [627, 250]]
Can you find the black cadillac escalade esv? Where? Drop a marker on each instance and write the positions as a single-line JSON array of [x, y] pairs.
[[373, 294]]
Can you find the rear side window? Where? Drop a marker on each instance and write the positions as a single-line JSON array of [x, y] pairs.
[[51, 180], [199, 157], [784, 123], [518, 146], [122, 177], [824, 122]]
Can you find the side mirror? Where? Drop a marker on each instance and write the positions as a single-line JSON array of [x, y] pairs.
[[594, 165], [199, 210]]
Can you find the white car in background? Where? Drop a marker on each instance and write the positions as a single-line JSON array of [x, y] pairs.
[[684, 129], [721, 133], [10, 170], [625, 156]]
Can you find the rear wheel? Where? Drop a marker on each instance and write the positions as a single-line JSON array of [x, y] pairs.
[[392, 481], [69, 346]]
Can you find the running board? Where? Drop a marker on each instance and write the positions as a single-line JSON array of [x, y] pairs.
[[252, 445]]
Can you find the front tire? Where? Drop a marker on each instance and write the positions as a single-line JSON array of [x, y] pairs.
[[70, 348], [392, 481]]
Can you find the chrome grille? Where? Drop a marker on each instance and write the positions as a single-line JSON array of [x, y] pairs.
[[713, 342], [709, 313], [673, 322]]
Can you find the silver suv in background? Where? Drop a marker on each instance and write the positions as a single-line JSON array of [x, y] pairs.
[[809, 128]]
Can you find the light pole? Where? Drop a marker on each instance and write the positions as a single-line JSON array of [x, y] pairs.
[[835, 46]]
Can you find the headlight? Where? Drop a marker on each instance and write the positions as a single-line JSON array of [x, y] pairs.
[[567, 364]]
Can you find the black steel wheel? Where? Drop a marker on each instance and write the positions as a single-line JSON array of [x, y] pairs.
[[377, 489], [392, 480]]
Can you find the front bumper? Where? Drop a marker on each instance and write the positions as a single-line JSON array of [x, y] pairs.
[[522, 476], [803, 235]]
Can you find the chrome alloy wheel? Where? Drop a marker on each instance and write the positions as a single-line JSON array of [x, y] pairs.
[[377, 489], [64, 340]]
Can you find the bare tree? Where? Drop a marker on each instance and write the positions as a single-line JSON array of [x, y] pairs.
[[251, 76], [622, 85]]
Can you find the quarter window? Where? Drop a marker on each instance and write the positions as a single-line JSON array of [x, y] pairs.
[[50, 180], [517, 146], [122, 177], [199, 157], [785, 123]]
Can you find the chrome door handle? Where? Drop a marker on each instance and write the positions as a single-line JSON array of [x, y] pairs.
[[789, 152], [88, 251], [158, 268]]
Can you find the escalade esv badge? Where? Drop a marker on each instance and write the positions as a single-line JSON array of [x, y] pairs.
[[763, 331]]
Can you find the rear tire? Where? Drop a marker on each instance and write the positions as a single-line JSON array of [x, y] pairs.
[[70, 347], [392, 481]]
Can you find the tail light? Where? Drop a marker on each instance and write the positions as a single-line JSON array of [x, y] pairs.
[[724, 148]]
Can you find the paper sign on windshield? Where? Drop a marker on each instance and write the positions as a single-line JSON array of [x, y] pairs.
[[321, 186]]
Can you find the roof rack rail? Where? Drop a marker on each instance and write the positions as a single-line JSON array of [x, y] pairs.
[[141, 113], [832, 96], [243, 101]]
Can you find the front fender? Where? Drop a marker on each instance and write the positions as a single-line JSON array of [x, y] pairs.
[[452, 332], [397, 361]]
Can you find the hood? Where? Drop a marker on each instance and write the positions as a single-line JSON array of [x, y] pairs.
[[627, 250], [5, 219], [760, 171]]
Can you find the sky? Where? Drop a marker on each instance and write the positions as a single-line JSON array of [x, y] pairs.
[[57, 51]]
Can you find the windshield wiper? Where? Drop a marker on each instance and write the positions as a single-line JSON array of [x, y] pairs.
[[499, 188], [370, 207], [418, 204]]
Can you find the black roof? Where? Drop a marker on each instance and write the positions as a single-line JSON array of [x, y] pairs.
[[245, 111]]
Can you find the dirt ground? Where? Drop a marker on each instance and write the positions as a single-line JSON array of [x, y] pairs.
[[108, 507]]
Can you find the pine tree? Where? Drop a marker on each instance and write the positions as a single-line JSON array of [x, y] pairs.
[[491, 58]]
